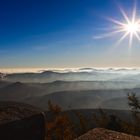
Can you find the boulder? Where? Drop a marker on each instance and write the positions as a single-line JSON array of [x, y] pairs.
[[104, 134], [20, 121]]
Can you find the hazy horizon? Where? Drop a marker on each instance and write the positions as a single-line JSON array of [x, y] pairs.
[[36, 70]]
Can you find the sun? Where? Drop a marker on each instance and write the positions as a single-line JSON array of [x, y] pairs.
[[130, 27]]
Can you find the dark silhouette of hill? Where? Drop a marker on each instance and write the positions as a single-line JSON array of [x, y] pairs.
[[84, 99], [18, 91], [58, 86], [74, 94], [116, 103], [87, 85], [78, 94], [3, 83]]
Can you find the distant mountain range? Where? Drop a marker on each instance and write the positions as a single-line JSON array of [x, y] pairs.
[[50, 76], [18, 91], [68, 95], [107, 99], [84, 74], [84, 88]]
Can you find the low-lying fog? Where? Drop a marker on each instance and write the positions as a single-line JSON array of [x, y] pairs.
[[72, 88]]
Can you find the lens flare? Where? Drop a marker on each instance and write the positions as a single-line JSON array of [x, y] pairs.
[[130, 27]]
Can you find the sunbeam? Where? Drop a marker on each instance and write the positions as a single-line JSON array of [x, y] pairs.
[[129, 27]]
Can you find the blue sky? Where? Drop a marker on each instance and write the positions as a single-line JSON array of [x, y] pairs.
[[60, 34]]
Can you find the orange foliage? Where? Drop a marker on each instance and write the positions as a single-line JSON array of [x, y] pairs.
[[60, 126]]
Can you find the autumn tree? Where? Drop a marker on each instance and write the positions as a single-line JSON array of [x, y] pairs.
[[134, 105], [59, 126]]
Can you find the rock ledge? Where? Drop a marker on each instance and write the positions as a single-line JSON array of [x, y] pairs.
[[104, 134]]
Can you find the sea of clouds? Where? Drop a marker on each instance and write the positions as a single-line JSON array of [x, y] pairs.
[[65, 70]]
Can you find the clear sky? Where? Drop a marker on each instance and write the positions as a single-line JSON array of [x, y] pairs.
[[64, 33]]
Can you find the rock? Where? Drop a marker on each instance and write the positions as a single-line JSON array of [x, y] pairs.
[[104, 134], [21, 122]]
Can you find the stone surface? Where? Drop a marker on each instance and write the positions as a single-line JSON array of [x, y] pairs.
[[104, 134]]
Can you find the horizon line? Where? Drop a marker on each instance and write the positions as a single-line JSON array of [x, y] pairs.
[[41, 69]]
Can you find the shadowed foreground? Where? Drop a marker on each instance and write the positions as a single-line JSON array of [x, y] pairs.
[[21, 122]]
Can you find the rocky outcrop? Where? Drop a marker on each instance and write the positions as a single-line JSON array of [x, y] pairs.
[[104, 134], [21, 122]]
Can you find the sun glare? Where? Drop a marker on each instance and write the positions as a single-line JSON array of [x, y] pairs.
[[130, 27]]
